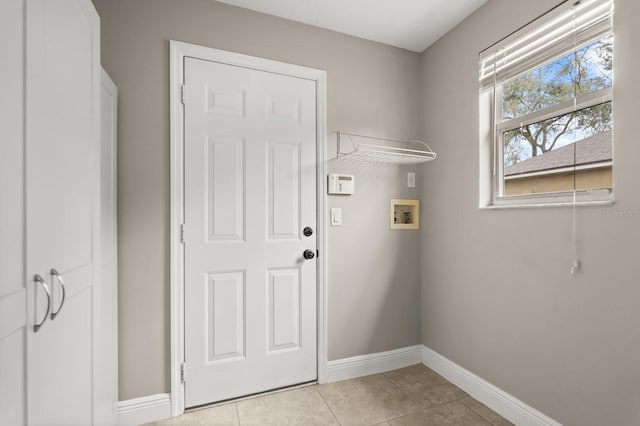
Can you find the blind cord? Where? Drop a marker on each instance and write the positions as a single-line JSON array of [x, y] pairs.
[[575, 264]]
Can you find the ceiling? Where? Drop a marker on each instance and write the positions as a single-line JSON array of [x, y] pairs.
[[408, 24]]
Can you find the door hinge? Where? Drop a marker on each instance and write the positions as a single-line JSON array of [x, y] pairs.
[[183, 93], [183, 372], [183, 233]]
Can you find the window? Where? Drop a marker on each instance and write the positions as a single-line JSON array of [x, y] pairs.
[[546, 119]]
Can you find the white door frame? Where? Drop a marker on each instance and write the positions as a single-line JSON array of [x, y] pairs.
[[178, 51]]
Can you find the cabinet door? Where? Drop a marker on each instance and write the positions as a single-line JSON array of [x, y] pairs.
[[12, 284], [105, 308], [62, 172]]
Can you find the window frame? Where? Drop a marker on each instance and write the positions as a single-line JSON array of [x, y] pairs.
[[492, 128]]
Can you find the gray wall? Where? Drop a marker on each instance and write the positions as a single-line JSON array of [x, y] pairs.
[[496, 293], [374, 280], [497, 296]]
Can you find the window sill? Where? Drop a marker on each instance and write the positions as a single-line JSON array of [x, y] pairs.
[[545, 205]]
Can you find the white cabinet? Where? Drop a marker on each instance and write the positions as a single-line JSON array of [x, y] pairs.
[[13, 300], [51, 214], [62, 207], [106, 294]]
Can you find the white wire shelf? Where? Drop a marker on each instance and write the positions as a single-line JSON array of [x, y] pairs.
[[395, 151]]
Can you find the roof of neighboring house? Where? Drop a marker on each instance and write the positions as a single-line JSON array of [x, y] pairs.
[[592, 150]]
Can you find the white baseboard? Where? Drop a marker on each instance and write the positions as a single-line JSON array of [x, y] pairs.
[[508, 406], [158, 407], [363, 365], [144, 410]]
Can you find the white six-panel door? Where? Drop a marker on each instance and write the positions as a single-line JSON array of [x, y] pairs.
[[250, 190]]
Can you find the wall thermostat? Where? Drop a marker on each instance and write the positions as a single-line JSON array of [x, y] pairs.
[[341, 184]]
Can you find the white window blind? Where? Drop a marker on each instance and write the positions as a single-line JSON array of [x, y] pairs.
[[571, 24]]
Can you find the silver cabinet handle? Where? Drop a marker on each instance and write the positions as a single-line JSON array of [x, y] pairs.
[[38, 280], [57, 275]]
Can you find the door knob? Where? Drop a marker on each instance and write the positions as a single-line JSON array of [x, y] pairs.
[[308, 254], [307, 231]]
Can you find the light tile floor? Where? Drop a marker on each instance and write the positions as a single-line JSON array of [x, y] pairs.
[[409, 396]]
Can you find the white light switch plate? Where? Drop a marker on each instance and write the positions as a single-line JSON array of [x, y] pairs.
[[336, 216], [411, 180]]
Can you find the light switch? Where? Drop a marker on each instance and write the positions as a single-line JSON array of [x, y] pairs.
[[411, 180], [336, 216]]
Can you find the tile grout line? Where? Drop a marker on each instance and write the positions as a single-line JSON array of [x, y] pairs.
[[327, 404], [237, 414], [487, 421], [403, 392], [418, 404], [466, 395], [483, 417], [436, 406]]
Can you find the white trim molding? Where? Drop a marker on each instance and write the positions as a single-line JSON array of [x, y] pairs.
[[144, 410], [508, 406], [177, 52], [364, 365], [159, 407]]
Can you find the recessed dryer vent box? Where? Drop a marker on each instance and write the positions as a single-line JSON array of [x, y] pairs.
[[405, 214]]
